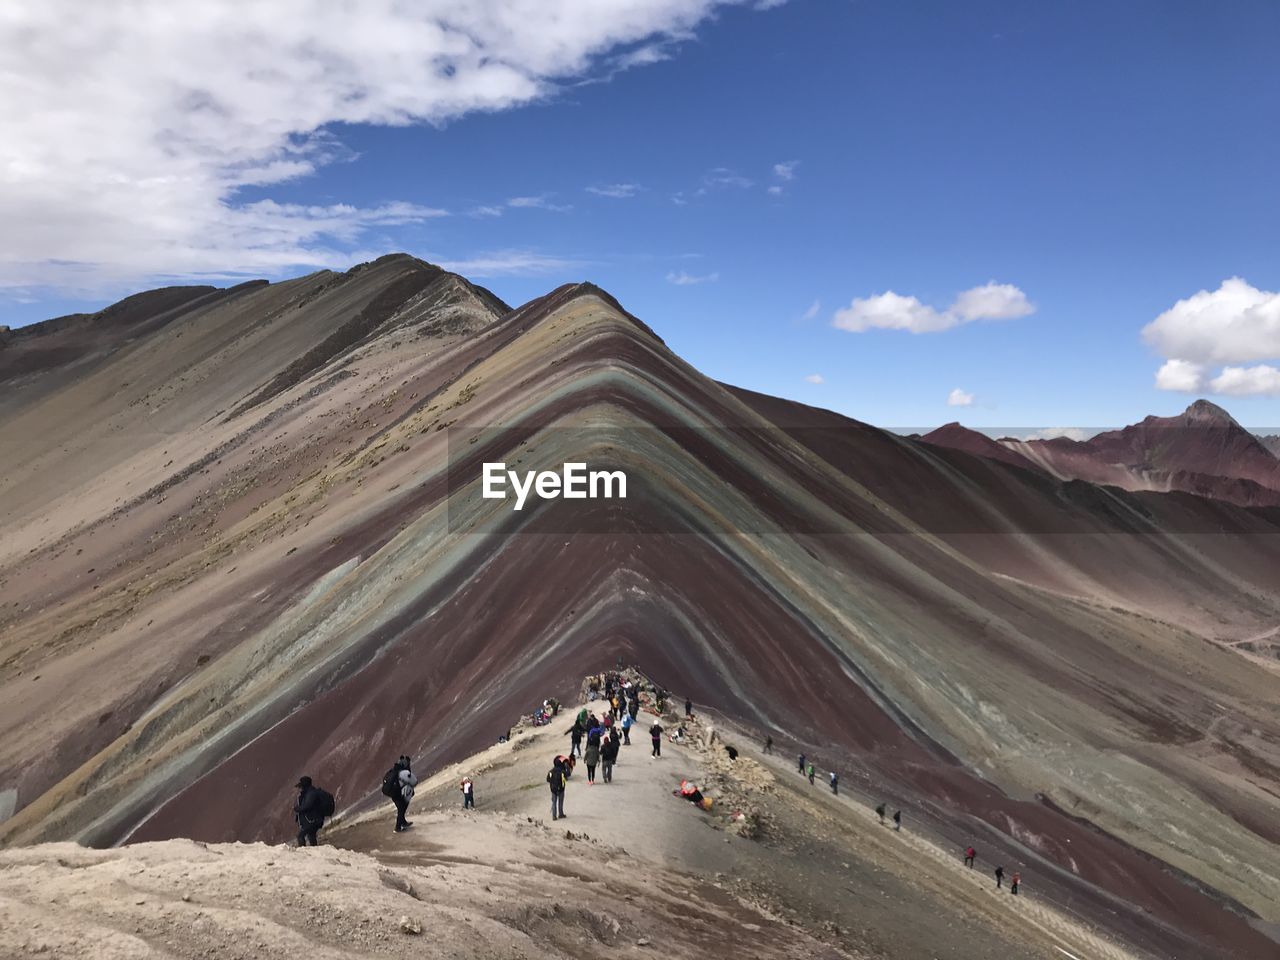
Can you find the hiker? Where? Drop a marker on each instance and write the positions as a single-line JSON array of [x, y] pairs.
[[688, 709], [313, 806], [768, 745], [835, 783], [626, 729], [802, 764], [969, 856], [575, 735], [591, 758], [812, 773], [468, 794], [557, 781], [1013, 886], [397, 786], [608, 757], [655, 734], [880, 812], [999, 877], [897, 819]]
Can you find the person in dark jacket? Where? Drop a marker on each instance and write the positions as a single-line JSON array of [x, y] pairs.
[[688, 709], [897, 819], [835, 783], [557, 781], [608, 757], [655, 735], [999, 877], [397, 786], [307, 812], [801, 762], [880, 812], [591, 758]]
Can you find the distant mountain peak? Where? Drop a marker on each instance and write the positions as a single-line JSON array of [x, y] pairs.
[[1205, 410]]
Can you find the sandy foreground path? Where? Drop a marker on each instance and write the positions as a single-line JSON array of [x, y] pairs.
[[631, 872]]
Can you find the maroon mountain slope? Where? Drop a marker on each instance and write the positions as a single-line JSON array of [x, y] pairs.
[[1203, 451]]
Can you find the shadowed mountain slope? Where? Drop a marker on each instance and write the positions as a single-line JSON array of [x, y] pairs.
[[289, 569]]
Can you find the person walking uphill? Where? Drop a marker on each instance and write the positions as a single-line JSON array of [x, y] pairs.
[[1013, 885], [397, 786], [468, 794], [313, 806], [812, 773], [969, 856], [557, 782], [688, 709], [591, 758], [835, 783], [655, 734], [626, 729], [801, 762], [999, 877]]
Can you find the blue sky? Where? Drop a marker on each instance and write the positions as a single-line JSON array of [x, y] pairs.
[[1106, 160]]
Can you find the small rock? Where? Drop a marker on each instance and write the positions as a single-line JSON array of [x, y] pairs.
[[412, 927], [186, 898], [642, 942]]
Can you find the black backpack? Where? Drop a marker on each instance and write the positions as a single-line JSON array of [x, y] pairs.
[[325, 805], [391, 782]]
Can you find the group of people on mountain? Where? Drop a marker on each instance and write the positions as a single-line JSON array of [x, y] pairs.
[[315, 805], [596, 738]]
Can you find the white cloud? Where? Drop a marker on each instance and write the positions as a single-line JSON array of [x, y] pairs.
[[892, 311], [540, 202], [786, 170], [1261, 380], [1181, 375], [642, 56], [617, 190], [775, 190], [959, 398], [724, 177], [506, 263], [815, 378], [1236, 323], [992, 301], [130, 128], [812, 311], [683, 279], [486, 211]]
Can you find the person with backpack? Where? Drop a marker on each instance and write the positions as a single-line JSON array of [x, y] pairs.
[[835, 783], [468, 794], [575, 735], [608, 757], [897, 819], [1013, 886], [812, 773], [801, 762], [626, 729], [591, 758], [999, 877], [655, 734], [557, 781], [969, 856], [313, 807], [397, 786]]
